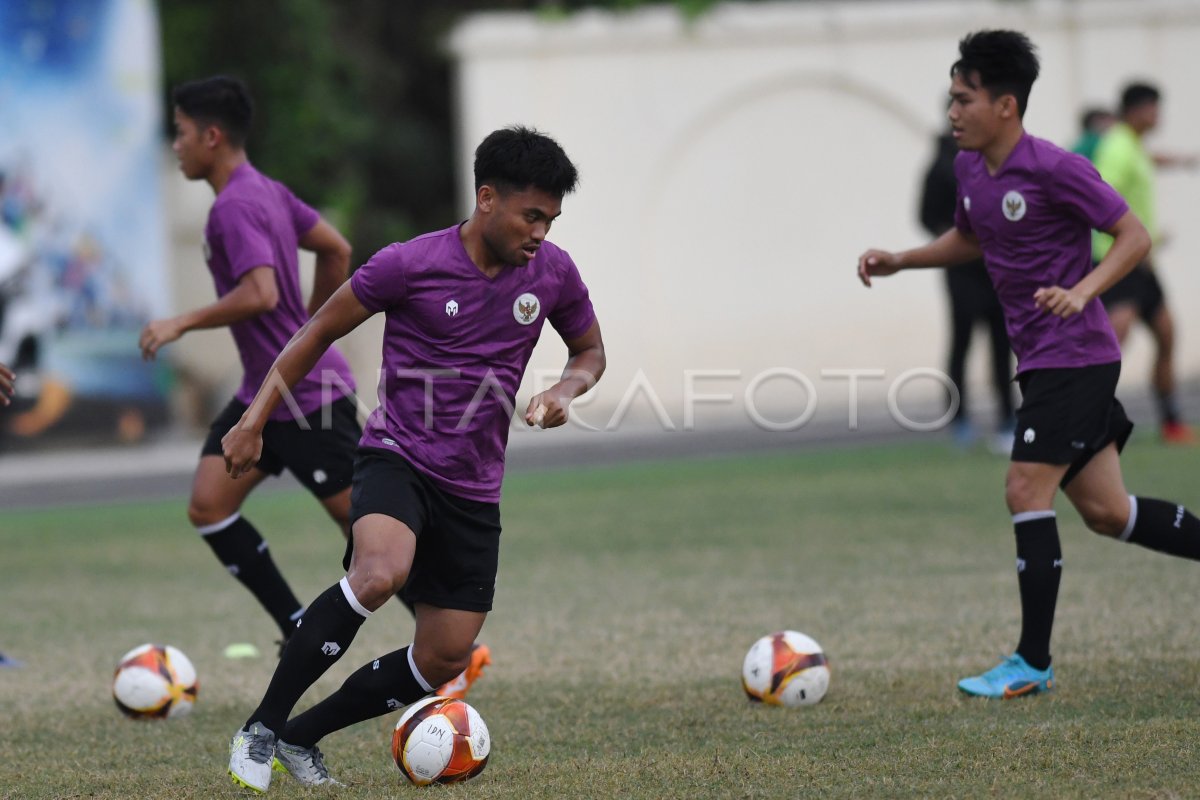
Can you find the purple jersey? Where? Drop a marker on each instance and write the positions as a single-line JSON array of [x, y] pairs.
[[1034, 219], [257, 222], [455, 347]]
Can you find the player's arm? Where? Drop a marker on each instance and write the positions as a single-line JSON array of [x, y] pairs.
[[1131, 245], [6, 384], [950, 249], [333, 262], [343, 313], [256, 293], [585, 365]]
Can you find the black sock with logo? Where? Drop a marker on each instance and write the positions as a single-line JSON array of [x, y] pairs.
[[1039, 569], [1162, 526], [386, 684], [321, 636]]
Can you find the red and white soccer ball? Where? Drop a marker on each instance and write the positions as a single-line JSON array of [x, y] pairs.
[[786, 668], [155, 682], [440, 740]]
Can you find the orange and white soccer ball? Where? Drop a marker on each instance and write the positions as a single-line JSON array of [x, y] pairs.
[[440, 740], [155, 682], [786, 668]]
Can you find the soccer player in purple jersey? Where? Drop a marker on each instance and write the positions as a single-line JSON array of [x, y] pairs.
[[1028, 207], [464, 308], [250, 245]]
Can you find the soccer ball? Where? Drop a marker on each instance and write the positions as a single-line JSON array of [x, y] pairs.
[[785, 669], [155, 682], [440, 740]]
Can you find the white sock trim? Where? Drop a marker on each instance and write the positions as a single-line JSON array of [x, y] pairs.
[[1028, 516], [351, 599], [205, 530], [412, 665], [1125, 534]]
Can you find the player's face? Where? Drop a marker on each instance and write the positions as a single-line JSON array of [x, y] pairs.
[[189, 146], [518, 222], [975, 116]]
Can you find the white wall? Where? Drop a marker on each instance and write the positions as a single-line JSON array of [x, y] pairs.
[[733, 169]]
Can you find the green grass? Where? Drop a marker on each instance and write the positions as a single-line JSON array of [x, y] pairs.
[[626, 601]]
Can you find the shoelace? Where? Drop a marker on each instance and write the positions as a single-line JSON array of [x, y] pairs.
[[262, 749]]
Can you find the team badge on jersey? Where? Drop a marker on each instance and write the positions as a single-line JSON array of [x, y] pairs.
[[966, 203], [452, 308], [1013, 206], [526, 309]]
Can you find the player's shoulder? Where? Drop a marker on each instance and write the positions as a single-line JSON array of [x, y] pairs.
[[553, 258], [416, 253], [1046, 157]]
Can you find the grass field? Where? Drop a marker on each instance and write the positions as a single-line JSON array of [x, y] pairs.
[[627, 599]]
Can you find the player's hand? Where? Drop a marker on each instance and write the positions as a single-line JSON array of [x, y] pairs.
[[876, 263], [546, 410], [242, 447], [1059, 301], [157, 333], [6, 385]]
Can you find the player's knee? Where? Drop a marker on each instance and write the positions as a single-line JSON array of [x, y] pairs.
[[373, 581], [441, 664], [1106, 520], [1019, 493], [202, 512]]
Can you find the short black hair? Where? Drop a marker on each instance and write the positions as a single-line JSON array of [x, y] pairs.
[[1092, 116], [220, 100], [1005, 61], [516, 158], [1138, 94]]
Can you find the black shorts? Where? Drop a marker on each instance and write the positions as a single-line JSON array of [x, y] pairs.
[[458, 540], [1068, 415], [1141, 288], [321, 458]]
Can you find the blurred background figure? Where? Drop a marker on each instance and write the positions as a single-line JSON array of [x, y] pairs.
[[1124, 162], [972, 300], [6, 390], [1093, 124]]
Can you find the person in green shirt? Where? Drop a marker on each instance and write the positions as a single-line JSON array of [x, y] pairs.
[[1124, 162], [1093, 124]]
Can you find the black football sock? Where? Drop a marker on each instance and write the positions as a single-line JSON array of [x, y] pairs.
[[388, 683], [1163, 526], [1039, 568], [318, 641], [244, 553], [1168, 407]]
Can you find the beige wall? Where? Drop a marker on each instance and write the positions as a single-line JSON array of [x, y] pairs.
[[732, 170]]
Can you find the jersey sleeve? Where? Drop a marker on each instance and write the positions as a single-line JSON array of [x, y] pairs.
[[572, 315], [1076, 186], [380, 283], [304, 217], [244, 237]]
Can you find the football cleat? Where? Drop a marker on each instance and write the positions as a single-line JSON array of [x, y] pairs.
[[1012, 677], [458, 687], [250, 756], [1178, 433], [305, 764]]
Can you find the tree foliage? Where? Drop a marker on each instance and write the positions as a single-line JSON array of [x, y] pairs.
[[353, 97]]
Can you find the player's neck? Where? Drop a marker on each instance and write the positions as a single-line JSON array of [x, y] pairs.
[[1000, 148], [223, 169], [477, 250]]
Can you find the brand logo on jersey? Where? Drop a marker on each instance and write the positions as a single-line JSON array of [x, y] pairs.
[[1013, 206], [526, 309], [966, 203], [452, 308], [207, 251], [331, 648], [1029, 436]]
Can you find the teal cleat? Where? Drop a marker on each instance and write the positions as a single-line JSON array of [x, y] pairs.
[[1012, 677]]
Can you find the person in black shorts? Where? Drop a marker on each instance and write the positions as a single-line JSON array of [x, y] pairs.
[[251, 241], [1028, 208], [464, 308]]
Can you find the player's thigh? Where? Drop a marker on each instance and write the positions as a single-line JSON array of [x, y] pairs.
[[338, 508], [444, 638], [381, 558], [215, 495], [1122, 316], [1030, 485], [1099, 495]]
